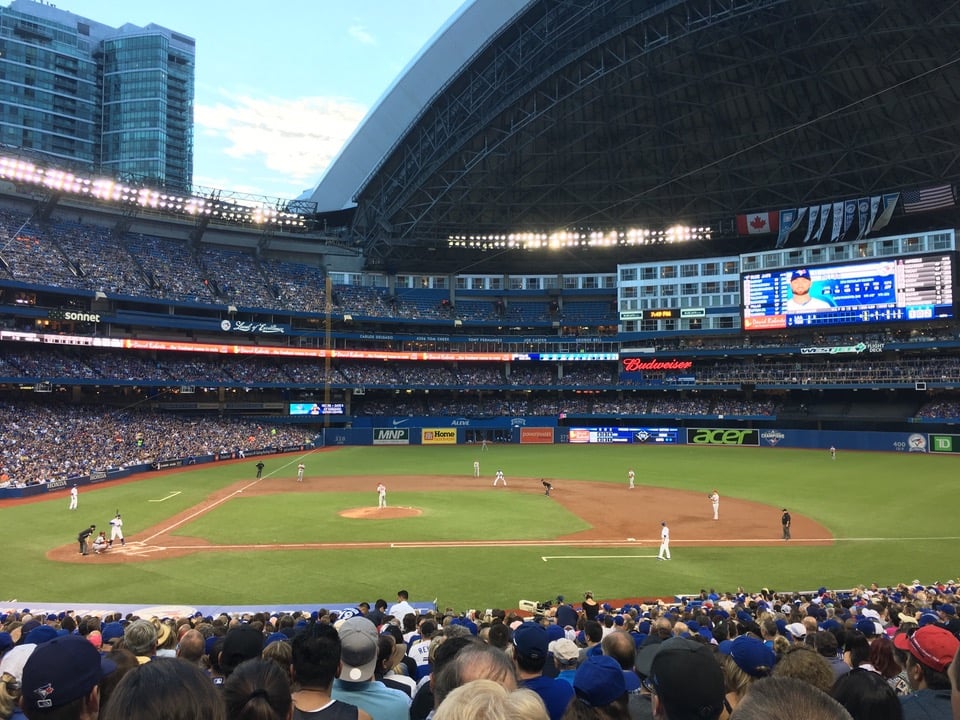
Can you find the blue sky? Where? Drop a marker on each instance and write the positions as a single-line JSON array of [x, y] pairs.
[[281, 85]]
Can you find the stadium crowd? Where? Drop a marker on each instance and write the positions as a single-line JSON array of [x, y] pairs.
[[869, 653], [19, 362], [84, 256], [42, 442]]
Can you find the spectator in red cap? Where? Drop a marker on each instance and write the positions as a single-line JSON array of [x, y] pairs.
[[929, 652]]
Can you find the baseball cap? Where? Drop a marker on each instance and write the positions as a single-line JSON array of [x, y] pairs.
[[564, 650], [931, 645], [359, 646], [61, 671], [6, 641], [797, 630], [599, 681], [751, 655], [948, 609], [111, 631], [800, 273], [41, 634], [866, 626], [687, 679], [243, 642], [530, 640], [14, 660]]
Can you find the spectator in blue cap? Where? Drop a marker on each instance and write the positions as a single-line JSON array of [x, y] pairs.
[[530, 650], [743, 660], [599, 690], [63, 675]]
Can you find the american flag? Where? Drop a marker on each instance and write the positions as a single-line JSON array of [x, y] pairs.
[[934, 198]]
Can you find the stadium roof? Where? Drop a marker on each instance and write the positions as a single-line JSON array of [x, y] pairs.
[[611, 113]]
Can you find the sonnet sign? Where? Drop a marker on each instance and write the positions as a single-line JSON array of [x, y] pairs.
[[648, 364]]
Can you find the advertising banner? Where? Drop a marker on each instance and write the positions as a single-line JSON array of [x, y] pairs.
[[391, 436], [438, 436], [535, 435]]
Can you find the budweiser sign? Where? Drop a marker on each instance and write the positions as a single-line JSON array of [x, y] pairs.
[[639, 364]]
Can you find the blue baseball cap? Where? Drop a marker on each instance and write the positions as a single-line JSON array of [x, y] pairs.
[[599, 681], [530, 640], [751, 655], [800, 273], [62, 670]]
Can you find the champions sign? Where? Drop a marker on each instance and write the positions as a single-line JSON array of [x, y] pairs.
[[438, 436]]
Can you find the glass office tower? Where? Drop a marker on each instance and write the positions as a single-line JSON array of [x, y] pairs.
[[117, 101]]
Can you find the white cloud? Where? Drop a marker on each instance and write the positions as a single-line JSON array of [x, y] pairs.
[[359, 32], [293, 138]]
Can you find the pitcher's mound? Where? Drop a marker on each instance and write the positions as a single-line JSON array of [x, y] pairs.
[[387, 513]]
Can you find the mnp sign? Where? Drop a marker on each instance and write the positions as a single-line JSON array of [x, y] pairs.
[[722, 436], [391, 436], [438, 436]]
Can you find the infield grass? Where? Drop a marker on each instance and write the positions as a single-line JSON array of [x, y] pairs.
[[893, 516]]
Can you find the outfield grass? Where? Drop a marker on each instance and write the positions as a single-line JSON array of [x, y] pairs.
[[893, 516]]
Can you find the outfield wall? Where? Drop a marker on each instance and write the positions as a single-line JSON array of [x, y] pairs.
[[451, 432], [531, 431]]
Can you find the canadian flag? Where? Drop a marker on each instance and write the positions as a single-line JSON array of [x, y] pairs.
[[758, 223]]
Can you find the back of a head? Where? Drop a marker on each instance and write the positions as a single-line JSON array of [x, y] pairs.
[[775, 697], [140, 637], [460, 660], [499, 636], [165, 689], [805, 664], [257, 690], [487, 700], [191, 646], [867, 696], [316, 656], [621, 647]]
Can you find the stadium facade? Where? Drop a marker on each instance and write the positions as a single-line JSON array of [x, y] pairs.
[[513, 253], [116, 101]]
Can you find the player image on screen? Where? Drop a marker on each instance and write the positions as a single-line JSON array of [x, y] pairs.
[[800, 298]]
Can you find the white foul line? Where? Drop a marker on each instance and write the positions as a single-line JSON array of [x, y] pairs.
[[171, 495]]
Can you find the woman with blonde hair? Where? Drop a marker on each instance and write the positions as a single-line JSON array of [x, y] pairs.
[[488, 700]]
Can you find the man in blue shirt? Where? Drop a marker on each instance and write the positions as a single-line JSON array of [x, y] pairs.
[[530, 643]]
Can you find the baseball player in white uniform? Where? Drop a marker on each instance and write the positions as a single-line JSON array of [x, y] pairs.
[[631, 476], [381, 495], [715, 500], [73, 498], [116, 530], [498, 478], [664, 553], [476, 468], [300, 468]]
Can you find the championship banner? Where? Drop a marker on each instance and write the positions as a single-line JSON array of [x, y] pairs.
[[438, 436]]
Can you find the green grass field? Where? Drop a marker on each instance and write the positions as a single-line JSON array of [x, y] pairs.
[[894, 517]]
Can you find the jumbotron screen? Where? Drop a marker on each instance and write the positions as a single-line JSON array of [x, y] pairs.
[[918, 288], [316, 408]]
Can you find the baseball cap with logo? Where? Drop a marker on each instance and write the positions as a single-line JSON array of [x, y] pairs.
[[359, 645], [800, 273], [62, 670], [931, 645]]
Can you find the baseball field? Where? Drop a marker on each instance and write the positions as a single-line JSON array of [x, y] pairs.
[[215, 535]]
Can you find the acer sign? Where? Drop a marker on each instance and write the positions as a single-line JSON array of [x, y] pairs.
[[647, 364], [722, 436]]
